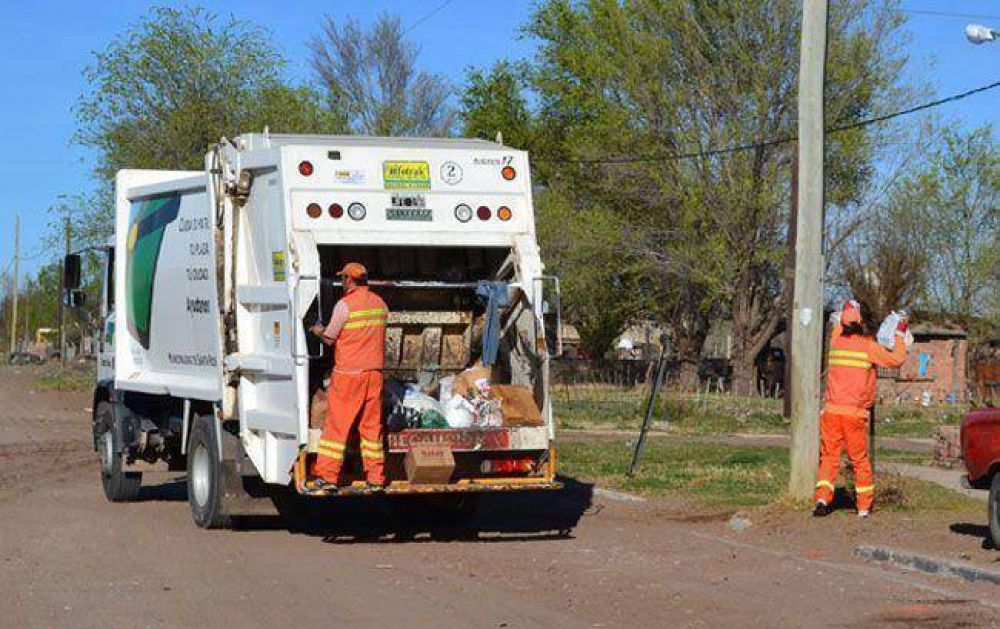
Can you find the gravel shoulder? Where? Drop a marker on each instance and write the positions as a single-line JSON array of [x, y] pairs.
[[71, 559]]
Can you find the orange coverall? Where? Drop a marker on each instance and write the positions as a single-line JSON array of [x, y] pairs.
[[355, 394], [850, 394]]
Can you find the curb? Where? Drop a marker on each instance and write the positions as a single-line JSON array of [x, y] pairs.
[[930, 565], [620, 496]]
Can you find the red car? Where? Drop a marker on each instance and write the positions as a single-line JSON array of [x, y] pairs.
[[981, 453]]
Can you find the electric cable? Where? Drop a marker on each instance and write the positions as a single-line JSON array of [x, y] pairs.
[[750, 146]]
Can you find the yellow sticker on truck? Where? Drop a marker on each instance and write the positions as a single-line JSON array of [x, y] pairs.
[[398, 175]]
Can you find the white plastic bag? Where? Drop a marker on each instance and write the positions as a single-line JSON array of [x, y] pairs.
[[887, 331], [421, 401], [458, 412]]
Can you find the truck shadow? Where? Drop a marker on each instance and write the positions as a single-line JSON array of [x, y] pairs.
[[974, 530], [522, 516]]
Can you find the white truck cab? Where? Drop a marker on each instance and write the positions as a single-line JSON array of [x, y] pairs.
[[215, 276]]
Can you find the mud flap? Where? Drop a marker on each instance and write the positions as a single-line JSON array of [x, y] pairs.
[[242, 494]]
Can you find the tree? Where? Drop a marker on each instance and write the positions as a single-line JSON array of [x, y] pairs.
[[583, 247], [655, 81], [494, 102], [372, 77], [957, 212], [177, 81]]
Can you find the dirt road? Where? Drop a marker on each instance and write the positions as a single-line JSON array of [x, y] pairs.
[[70, 559]]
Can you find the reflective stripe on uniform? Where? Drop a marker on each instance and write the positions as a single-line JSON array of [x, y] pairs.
[[860, 364], [824, 483], [332, 454], [365, 323], [371, 450], [333, 445], [850, 358], [372, 312], [865, 489]]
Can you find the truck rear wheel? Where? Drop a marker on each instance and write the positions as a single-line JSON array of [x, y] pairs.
[[119, 485], [994, 510], [204, 472]]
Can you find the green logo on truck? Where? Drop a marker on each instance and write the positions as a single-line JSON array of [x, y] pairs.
[[148, 221]]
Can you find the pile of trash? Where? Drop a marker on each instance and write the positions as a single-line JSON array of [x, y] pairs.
[[466, 400]]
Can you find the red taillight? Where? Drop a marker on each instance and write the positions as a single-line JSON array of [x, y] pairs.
[[484, 213], [305, 168], [507, 466], [504, 213], [508, 173], [336, 211], [314, 210]]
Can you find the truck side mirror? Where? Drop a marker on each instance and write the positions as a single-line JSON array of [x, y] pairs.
[[75, 299], [71, 272]]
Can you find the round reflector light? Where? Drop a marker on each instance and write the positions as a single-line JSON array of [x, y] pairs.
[[508, 173], [356, 211], [305, 168], [484, 213], [463, 213], [504, 213], [336, 211], [314, 210]]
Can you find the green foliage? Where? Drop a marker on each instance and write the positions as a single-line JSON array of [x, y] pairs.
[[180, 79], [584, 247], [494, 102], [719, 475], [706, 235]]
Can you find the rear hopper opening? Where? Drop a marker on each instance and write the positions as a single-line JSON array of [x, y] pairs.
[[435, 333]]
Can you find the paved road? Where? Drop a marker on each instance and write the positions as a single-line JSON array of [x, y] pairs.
[[70, 559]]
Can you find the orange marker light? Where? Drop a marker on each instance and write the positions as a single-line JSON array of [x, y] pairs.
[[504, 213], [314, 210], [508, 173]]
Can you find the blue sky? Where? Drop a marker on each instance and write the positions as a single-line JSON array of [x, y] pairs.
[[47, 43]]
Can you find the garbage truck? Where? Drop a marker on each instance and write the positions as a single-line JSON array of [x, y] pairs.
[[214, 277]]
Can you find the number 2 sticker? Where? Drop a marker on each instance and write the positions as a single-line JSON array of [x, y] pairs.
[[451, 173]]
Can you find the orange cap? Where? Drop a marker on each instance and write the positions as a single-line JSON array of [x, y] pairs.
[[851, 312], [354, 270]]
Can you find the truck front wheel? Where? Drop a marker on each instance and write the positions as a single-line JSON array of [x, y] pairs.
[[204, 472], [119, 485], [994, 509]]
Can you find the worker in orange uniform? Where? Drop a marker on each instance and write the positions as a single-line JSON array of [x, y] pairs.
[[850, 394], [357, 333]]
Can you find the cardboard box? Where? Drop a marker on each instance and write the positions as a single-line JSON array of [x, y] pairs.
[[429, 464], [464, 383], [518, 404]]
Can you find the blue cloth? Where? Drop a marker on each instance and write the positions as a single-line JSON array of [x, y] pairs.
[[495, 296]]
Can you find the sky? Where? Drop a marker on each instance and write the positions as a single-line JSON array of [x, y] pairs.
[[47, 43]]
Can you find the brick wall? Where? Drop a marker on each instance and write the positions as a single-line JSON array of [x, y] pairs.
[[933, 365]]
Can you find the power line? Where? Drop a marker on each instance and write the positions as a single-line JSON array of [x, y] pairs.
[[426, 16], [964, 16], [750, 146]]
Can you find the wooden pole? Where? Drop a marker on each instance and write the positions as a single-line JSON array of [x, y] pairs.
[[17, 272], [807, 314]]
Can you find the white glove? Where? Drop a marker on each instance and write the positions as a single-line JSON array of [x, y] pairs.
[[908, 339], [835, 318]]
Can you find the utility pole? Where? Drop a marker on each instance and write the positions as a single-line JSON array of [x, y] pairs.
[[807, 314], [61, 311], [17, 273]]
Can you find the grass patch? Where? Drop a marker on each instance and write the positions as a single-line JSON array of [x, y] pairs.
[[719, 475], [74, 378], [618, 408]]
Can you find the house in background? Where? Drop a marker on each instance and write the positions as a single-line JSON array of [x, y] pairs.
[[935, 372]]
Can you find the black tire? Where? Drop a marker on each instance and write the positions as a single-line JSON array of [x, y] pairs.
[[204, 476], [119, 485], [994, 510]]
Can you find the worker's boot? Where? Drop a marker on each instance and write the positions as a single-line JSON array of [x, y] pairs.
[[864, 514], [821, 510]]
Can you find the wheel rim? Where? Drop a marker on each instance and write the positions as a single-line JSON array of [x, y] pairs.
[[107, 452], [200, 469]]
